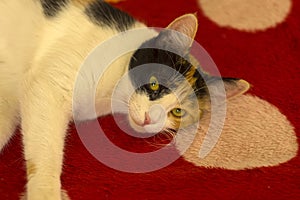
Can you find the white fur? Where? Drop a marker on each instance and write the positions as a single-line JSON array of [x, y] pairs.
[[39, 59]]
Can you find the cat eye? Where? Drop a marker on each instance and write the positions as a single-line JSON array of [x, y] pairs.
[[154, 85], [177, 112]]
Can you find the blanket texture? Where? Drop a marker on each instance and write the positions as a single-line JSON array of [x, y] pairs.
[[257, 154]]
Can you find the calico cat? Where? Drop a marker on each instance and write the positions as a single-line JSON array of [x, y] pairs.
[[42, 45]]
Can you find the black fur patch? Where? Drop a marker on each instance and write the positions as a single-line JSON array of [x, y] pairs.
[[103, 14], [52, 7], [152, 56]]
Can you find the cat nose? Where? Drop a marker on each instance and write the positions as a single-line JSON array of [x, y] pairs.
[[147, 119]]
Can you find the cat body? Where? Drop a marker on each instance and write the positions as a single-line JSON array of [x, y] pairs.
[[43, 43], [39, 59], [39, 40]]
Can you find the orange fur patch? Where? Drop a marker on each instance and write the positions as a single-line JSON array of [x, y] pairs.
[[190, 75]]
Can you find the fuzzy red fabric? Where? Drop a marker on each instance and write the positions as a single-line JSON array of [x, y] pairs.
[[269, 60]]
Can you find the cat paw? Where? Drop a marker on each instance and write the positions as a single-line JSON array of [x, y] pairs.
[[64, 196]]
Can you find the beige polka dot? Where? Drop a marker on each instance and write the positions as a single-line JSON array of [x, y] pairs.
[[255, 134], [246, 15]]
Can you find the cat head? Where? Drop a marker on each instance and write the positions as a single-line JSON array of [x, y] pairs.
[[170, 92]]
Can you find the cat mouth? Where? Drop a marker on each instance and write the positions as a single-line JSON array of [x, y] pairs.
[[143, 127]]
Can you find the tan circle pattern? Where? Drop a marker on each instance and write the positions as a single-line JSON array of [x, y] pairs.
[[246, 15], [255, 134]]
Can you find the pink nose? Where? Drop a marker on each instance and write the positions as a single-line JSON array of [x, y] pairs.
[[147, 119]]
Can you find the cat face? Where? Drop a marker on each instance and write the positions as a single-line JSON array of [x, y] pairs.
[[165, 96], [170, 93]]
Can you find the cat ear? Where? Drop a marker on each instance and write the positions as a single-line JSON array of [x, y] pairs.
[[233, 87], [180, 34], [186, 24]]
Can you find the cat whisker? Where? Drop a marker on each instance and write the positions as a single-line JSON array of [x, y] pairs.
[[160, 140], [170, 133], [201, 88], [154, 143], [134, 58], [170, 56]]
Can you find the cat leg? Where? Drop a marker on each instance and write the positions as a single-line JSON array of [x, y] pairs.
[[45, 117], [64, 196], [9, 110]]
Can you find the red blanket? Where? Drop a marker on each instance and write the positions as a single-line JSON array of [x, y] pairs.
[[263, 49]]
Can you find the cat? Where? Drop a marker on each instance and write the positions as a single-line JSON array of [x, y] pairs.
[[42, 45]]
